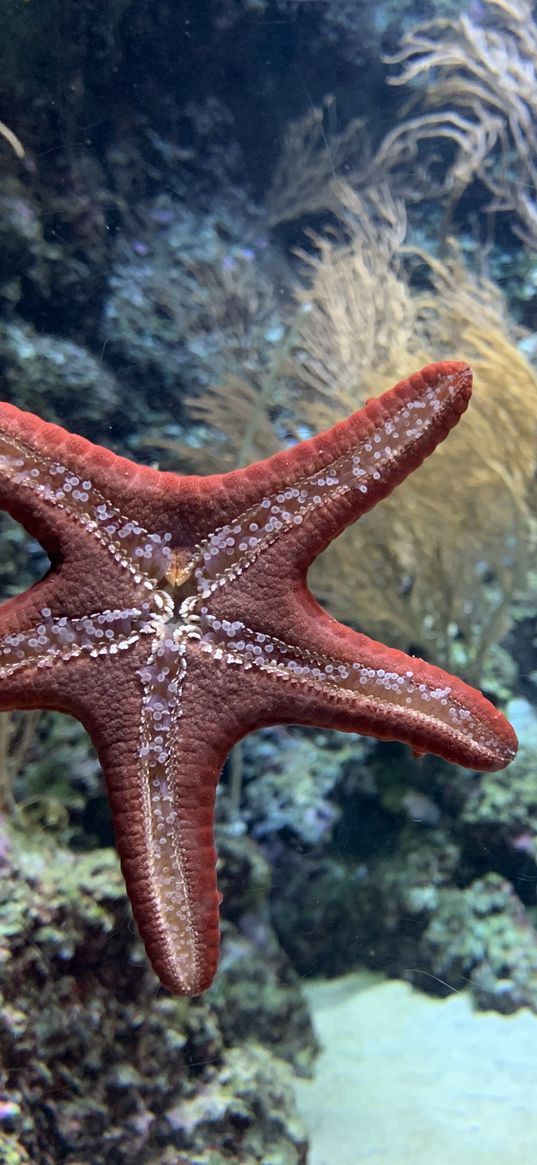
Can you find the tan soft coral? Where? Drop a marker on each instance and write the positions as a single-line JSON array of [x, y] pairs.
[[437, 569], [472, 82]]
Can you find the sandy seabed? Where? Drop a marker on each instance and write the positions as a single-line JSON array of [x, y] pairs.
[[405, 1079]]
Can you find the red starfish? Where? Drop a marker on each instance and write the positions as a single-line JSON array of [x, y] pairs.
[[176, 618]]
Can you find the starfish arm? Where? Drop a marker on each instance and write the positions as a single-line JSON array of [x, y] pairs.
[[32, 661], [305, 496], [57, 485], [346, 681], [161, 775]]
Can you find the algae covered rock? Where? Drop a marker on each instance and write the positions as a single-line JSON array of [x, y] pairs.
[[191, 298], [257, 994], [247, 1110], [289, 781], [482, 936], [56, 378], [99, 1064], [503, 807]]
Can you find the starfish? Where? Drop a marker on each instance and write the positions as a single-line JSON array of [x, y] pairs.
[[175, 618]]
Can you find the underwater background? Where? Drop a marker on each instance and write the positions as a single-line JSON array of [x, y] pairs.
[[225, 225]]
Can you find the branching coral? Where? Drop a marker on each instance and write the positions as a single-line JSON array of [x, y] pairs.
[[16, 733], [439, 570], [476, 81], [358, 316], [313, 156], [12, 139], [471, 114]]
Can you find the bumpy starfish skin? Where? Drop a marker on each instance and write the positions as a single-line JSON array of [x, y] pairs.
[[176, 618]]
